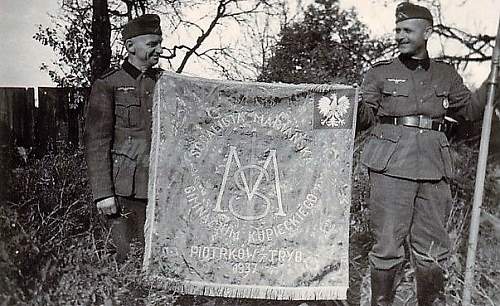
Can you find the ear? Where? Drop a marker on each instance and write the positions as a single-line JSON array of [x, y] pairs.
[[428, 31], [129, 45]]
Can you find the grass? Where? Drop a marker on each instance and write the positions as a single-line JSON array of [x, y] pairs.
[[55, 249]]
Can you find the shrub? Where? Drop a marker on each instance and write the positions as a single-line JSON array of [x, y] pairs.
[[55, 249]]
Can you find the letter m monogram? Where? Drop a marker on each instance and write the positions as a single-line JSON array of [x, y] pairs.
[[251, 191]]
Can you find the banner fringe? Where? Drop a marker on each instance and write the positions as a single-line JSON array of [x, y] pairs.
[[253, 292]]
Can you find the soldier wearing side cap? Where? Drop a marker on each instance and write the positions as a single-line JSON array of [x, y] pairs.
[[406, 100], [118, 133]]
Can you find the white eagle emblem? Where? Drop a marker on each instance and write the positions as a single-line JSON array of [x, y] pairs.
[[333, 110]]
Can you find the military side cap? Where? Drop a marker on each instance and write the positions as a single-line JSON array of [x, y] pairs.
[[406, 10], [145, 24]]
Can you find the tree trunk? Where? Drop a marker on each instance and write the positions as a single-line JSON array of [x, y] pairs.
[[101, 35]]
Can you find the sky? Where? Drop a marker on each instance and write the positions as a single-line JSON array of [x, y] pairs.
[[22, 55], [473, 16]]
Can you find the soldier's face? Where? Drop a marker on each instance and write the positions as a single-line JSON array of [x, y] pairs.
[[146, 49], [412, 36]]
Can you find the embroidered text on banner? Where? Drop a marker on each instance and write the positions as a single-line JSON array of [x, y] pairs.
[[250, 189]]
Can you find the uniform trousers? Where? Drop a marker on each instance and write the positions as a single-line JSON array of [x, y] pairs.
[[127, 224], [413, 210]]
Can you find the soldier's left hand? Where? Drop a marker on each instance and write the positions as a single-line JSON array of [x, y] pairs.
[[107, 206]]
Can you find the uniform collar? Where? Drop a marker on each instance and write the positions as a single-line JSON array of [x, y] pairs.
[[135, 73], [413, 63], [131, 69]]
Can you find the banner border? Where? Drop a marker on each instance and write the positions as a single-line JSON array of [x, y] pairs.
[[220, 289]]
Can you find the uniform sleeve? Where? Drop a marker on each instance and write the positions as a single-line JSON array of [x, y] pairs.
[[369, 101], [467, 105], [98, 138], [464, 104]]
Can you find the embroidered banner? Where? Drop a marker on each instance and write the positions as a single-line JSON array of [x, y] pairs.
[[250, 189]]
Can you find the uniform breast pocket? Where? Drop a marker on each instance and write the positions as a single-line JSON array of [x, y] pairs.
[[394, 95], [128, 109], [396, 90]]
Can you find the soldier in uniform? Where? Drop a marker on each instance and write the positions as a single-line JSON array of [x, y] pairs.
[[408, 157], [118, 133]]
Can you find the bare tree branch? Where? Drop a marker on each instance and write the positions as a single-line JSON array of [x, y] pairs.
[[226, 9], [173, 51]]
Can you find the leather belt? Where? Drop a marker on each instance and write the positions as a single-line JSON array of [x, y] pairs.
[[419, 121]]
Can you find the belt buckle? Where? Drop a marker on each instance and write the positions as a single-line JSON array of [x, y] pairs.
[[424, 122]]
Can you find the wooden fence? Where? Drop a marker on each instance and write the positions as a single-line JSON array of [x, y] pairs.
[[58, 119], [42, 118]]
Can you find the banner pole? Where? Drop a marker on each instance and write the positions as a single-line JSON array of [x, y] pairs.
[[480, 174]]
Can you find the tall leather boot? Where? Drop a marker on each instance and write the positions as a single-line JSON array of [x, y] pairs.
[[430, 286], [383, 286]]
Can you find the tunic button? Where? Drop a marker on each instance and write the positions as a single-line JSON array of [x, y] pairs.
[[394, 93], [421, 100], [129, 137], [422, 83]]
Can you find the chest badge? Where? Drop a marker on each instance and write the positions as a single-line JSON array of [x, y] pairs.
[[446, 103], [397, 81], [126, 88]]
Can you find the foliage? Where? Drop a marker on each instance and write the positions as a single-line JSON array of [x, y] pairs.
[[465, 155], [194, 31], [54, 249], [328, 45], [48, 207], [70, 39]]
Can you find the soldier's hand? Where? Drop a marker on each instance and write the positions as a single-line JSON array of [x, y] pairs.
[[107, 206]]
